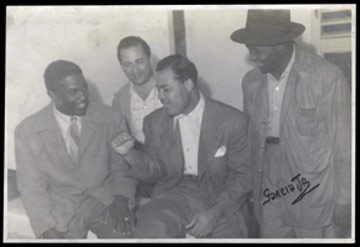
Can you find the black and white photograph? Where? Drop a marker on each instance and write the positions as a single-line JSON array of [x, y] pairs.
[[180, 124]]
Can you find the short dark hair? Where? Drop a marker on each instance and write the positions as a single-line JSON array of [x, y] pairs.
[[58, 70], [131, 41], [182, 67]]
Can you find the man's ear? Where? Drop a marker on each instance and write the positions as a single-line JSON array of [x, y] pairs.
[[189, 85], [52, 95]]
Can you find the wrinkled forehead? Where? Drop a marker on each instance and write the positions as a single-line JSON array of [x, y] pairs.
[[131, 52]]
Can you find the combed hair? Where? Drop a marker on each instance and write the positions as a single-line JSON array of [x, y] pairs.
[[58, 70], [131, 41], [182, 67]]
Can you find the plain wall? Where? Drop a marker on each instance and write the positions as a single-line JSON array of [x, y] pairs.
[[88, 36]]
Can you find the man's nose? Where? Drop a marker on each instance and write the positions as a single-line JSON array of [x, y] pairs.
[[83, 94], [161, 95], [135, 69], [253, 56]]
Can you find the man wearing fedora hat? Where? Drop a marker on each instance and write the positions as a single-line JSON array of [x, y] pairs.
[[299, 108]]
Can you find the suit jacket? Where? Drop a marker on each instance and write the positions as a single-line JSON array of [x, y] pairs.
[[314, 135], [224, 180], [121, 101], [52, 186]]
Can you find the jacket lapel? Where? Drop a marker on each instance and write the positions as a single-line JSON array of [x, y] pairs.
[[261, 119], [125, 102], [302, 63], [87, 131], [210, 137], [53, 140], [289, 95], [171, 141]]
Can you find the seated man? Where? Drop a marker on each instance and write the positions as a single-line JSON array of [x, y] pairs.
[[139, 96], [196, 150], [69, 179]]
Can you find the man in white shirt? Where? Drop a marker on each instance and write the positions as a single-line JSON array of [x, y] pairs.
[[197, 153], [300, 115], [139, 96]]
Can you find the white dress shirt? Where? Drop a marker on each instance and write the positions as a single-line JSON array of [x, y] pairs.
[[64, 122], [190, 128], [139, 109], [276, 90]]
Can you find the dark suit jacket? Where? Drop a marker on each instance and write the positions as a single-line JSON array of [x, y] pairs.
[[52, 186], [225, 180]]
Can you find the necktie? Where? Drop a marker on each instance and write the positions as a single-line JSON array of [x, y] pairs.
[[74, 142]]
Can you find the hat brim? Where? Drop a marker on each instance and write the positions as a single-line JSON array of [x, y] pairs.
[[267, 37]]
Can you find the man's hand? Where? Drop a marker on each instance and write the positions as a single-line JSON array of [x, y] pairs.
[[120, 216], [123, 143], [52, 234], [343, 220], [203, 223]]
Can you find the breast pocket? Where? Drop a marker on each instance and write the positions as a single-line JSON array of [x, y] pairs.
[[307, 121]]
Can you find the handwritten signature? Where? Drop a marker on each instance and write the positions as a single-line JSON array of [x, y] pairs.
[[298, 183]]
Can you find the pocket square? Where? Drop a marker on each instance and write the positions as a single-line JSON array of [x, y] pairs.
[[220, 152]]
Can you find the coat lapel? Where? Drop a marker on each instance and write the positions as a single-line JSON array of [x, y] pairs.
[[210, 137], [261, 119], [87, 131], [171, 140], [53, 140], [289, 95]]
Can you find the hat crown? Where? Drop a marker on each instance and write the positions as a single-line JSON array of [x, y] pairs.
[[259, 20], [267, 27]]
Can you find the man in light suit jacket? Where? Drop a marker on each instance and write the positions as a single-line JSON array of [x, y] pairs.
[[197, 153], [300, 118], [139, 96], [70, 178]]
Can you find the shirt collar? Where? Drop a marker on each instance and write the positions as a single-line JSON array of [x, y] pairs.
[[63, 120], [152, 95], [195, 114]]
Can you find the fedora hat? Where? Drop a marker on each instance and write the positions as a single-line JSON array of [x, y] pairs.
[[267, 27]]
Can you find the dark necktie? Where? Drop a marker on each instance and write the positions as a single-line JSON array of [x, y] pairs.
[[74, 142]]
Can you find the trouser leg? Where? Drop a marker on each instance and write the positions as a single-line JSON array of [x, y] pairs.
[[160, 218]]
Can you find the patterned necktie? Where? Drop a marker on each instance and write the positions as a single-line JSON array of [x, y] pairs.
[[74, 142]]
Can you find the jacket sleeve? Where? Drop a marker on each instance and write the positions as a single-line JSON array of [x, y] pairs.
[[32, 186], [338, 100], [145, 166], [238, 183], [121, 185]]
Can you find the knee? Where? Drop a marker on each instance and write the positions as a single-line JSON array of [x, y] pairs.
[[150, 229]]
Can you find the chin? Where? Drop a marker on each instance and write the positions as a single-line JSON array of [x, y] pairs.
[[81, 112], [170, 113]]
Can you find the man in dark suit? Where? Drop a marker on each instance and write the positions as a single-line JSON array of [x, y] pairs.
[[70, 178], [197, 153]]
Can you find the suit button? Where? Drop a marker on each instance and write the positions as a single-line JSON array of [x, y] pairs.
[[259, 170], [262, 145]]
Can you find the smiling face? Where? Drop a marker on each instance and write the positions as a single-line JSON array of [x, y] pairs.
[[266, 58], [71, 96], [173, 94], [135, 64]]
